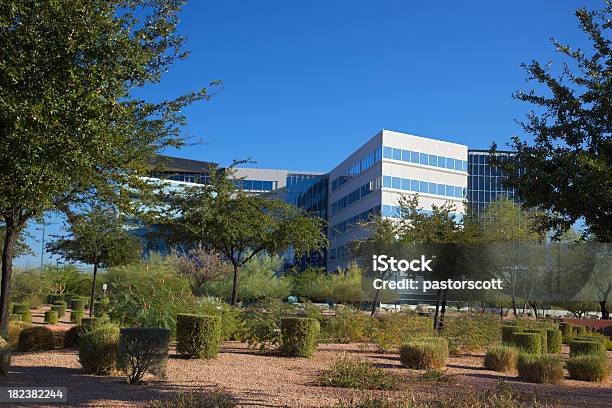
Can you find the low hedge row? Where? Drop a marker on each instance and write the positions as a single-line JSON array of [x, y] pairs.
[[501, 358], [528, 342], [36, 338], [544, 369], [586, 346], [588, 367], [51, 316]]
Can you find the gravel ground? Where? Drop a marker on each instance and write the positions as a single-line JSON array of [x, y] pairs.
[[272, 381]]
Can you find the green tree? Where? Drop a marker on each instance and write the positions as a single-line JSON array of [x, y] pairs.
[[238, 225], [568, 168], [71, 125], [98, 238]]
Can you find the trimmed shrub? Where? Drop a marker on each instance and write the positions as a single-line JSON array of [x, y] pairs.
[[299, 336], [51, 317], [36, 339], [198, 335], [543, 338], [55, 297], [11, 306], [580, 330], [501, 358], [395, 329], [77, 304], [143, 350], [60, 309], [588, 367], [528, 342], [72, 336], [507, 331], [98, 347], [15, 318], [214, 399], [5, 357], [554, 339], [347, 373], [566, 328], [76, 316], [578, 347], [425, 354], [86, 321], [544, 369], [24, 310]]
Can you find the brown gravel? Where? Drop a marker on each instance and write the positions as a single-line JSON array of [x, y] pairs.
[[272, 381]]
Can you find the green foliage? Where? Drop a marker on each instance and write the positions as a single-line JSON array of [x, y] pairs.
[[347, 373], [260, 324], [14, 329], [5, 357], [468, 333], [508, 331], [199, 266], [425, 354], [98, 346], [394, 329], [213, 399], [60, 308], [78, 304], [21, 308], [543, 338], [578, 347], [553, 341], [580, 330], [544, 369], [198, 336], [528, 342], [347, 326], [55, 297], [28, 287], [230, 321], [143, 350], [299, 336], [51, 316], [588, 367], [15, 318], [72, 336], [501, 358], [345, 285], [76, 316], [65, 279], [36, 338]]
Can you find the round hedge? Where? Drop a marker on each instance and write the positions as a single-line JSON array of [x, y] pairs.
[[72, 336], [51, 316], [36, 339], [198, 336], [98, 347], [425, 354], [501, 358], [566, 328], [554, 339], [579, 347], [544, 369], [76, 316], [60, 309], [580, 330], [5, 357], [299, 336], [507, 330], [528, 342], [55, 297], [588, 367], [543, 338], [78, 304], [21, 308], [143, 350]]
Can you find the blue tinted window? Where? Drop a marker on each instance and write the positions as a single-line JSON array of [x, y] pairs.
[[458, 192], [406, 155], [450, 163], [433, 188], [257, 185], [450, 191], [267, 185], [386, 181], [441, 189], [405, 184], [395, 182], [387, 152], [397, 154], [247, 184], [414, 157], [414, 185], [433, 160], [423, 187], [423, 158], [458, 164]]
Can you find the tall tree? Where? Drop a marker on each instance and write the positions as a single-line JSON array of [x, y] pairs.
[[71, 127], [238, 225], [568, 167], [98, 238]]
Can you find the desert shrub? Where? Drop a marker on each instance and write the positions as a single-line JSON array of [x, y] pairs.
[[230, 316], [98, 346], [15, 318], [588, 367], [580, 330], [60, 308], [77, 304], [395, 329], [198, 335], [76, 316], [347, 326], [260, 323], [578, 347], [5, 356], [65, 279], [214, 399], [72, 337], [299, 336], [51, 316], [143, 350], [543, 338], [544, 369], [13, 333], [473, 332], [347, 373], [507, 331], [501, 358], [27, 287], [36, 339], [554, 339], [345, 285], [425, 354], [528, 342]]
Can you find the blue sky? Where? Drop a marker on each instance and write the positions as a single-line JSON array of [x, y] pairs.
[[307, 82]]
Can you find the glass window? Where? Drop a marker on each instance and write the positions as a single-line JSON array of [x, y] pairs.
[[247, 184], [450, 191], [406, 155], [423, 187], [423, 158], [465, 165], [414, 185], [441, 189], [267, 185], [414, 157], [397, 154], [458, 164], [433, 188], [450, 163], [459, 192], [257, 185], [395, 182], [441, 161], [365, 190], [386, 181], [433, 160], [387, 152], [405, 184]]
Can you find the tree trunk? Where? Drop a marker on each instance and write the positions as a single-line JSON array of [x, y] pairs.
[[11, 233], [605, 313], [435, 323], [234, 300], [534, 306], [442, 310], [514, 305], [93, 289], [375, 303]]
